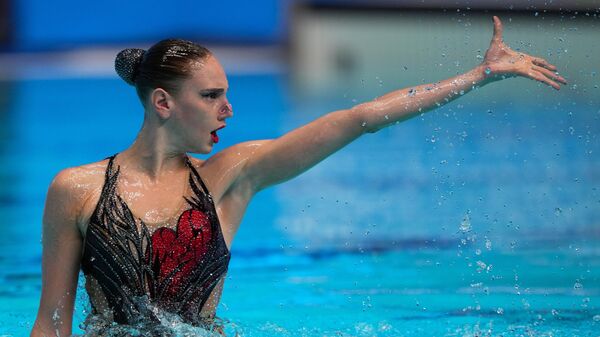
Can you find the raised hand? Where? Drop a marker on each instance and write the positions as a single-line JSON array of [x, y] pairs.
[[500, 60]]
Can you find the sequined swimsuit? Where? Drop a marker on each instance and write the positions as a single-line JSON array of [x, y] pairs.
[[173, 269]]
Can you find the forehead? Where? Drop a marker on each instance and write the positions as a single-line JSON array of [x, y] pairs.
[[208, 73]]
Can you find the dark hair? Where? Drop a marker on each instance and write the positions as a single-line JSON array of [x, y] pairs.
[[164, 65]]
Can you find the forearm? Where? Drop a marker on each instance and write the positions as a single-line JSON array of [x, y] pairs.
[[405, 103]]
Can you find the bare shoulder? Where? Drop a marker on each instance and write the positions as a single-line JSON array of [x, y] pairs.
[[73, 191], [79, 179], [226, 167]]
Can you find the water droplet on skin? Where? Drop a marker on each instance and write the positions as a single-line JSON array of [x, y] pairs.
[[462, 92], [488, 71], [386, 117], [412, 92], [363, 124]]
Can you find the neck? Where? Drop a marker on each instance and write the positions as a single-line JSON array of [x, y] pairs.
[[152, 153]]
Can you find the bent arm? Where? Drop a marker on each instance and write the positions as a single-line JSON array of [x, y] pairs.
[[61, 244]]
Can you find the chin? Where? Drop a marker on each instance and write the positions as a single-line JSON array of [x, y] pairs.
[[201, 147], [205, 149]]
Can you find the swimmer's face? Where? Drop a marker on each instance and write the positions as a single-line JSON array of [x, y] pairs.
[[201, 107]]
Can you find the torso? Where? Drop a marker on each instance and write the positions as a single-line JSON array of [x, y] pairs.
[[229, 202]]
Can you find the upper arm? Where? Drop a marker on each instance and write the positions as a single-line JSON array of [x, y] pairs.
[[295, 152], [61, 244]]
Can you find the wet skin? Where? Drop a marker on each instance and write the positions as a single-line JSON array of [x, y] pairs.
[[153, 169]]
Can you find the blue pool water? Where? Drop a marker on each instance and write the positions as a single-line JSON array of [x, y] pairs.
[[473, 220]]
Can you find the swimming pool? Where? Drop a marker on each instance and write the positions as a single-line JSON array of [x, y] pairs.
[[468, 221]]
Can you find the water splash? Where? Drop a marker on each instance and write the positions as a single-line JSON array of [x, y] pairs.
[[465, 224], [166, 324], [169, 325]]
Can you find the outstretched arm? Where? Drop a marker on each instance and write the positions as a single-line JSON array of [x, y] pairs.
[[278, 160]]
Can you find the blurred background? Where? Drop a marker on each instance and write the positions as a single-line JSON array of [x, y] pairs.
[[480, 216]]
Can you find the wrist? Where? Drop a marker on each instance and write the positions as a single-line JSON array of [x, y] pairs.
[[488, 74]]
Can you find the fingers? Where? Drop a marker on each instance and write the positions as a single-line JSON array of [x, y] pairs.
[[543, 63], [540, 77], [550, 74], [497, 29]]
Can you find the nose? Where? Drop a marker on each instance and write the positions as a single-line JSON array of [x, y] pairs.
[[226, 111]]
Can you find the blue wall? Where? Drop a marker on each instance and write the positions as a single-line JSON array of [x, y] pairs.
[[43, 24]]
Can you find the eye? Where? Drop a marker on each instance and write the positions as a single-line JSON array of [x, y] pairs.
[[211, 95]]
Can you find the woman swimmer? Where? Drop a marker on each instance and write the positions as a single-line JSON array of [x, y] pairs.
[[123, 220]]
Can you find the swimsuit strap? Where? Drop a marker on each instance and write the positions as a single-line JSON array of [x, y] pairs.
[[197, 175], [110, 182], [107, 187]]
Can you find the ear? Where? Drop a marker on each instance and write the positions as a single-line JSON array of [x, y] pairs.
[[162, 102]]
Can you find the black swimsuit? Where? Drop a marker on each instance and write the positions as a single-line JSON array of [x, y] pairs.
[[172, 269]]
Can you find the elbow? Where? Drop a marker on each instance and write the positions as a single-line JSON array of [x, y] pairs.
[[362, 117], [45, 326], [365, 116], [39, 331]]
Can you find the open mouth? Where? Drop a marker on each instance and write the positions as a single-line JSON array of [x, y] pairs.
[[214, 136]]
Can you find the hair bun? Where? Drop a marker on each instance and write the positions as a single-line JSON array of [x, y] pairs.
[[128, 62]]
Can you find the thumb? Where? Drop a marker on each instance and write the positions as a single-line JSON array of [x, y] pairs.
[[497, 29]]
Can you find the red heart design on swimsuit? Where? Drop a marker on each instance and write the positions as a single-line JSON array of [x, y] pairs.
[[181, 248]]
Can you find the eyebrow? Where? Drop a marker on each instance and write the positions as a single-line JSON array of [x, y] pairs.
[[212, 90]]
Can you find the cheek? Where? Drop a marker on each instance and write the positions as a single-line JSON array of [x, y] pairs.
[[193, 116]]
